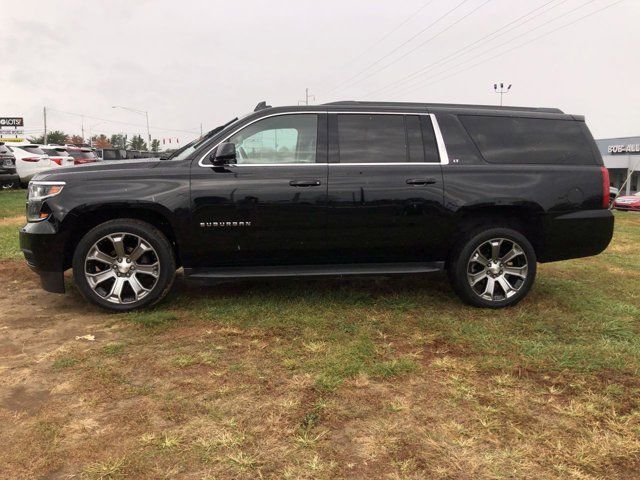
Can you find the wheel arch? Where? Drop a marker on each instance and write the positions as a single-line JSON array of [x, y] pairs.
[[525, 218], [82, 219]]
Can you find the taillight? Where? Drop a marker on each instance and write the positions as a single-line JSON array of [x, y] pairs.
[[31, 159], [81, 161], [57, 160], [605, 187]]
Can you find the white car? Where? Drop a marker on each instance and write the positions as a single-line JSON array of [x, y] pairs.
[[58, 155], [30, 159]]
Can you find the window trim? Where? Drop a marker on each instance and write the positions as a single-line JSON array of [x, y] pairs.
[[442, 148]]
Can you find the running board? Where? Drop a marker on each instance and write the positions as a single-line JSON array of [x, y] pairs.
[[313, 270]]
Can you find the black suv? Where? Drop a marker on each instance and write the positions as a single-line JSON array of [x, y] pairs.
[[343, 188], [8, 176]]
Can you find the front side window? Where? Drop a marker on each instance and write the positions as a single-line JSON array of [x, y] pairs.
[[372, 138], [281, 139]]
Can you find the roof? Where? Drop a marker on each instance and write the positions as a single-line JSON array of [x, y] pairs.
[[353, 103]]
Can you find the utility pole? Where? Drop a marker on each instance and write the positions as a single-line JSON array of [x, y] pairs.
[[306, 97], [44, 111], [82, 127], [201, 130], [502, 91]]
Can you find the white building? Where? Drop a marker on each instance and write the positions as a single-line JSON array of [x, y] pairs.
[[622, 156]]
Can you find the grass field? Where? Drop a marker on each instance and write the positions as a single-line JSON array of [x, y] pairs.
[[388, 377]]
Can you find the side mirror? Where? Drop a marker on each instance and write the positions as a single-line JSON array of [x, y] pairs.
[[224, 154]]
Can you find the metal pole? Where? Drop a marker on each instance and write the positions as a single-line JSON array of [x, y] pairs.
[[148, 131], [82, 129], [45, 124]]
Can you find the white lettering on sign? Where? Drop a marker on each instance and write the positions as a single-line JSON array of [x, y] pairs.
[[617, 149]]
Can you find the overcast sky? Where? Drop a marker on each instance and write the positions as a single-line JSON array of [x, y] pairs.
[[190, 62]]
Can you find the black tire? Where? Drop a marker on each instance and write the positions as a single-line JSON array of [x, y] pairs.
[[163, 256], [461, 266]]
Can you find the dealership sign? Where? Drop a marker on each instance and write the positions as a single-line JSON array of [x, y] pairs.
[[11, 126], [11, 122], [622, 149]]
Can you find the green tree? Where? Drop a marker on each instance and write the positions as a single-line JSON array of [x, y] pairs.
[[55, 137], [137, 143], [155, 145], [118, 140]]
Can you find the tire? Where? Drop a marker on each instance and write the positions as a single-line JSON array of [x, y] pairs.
[[482, 281], [124, 264]]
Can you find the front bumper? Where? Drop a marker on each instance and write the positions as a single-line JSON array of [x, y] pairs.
[[43, 249], [627, 208], [575, 235]]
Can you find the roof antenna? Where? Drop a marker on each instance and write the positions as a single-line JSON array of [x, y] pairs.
[[261, 106]]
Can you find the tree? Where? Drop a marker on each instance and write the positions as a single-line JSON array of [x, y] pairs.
[[76, 140], [155, 145], [100, 141], [118, 140], [55, 137], [137, 143]]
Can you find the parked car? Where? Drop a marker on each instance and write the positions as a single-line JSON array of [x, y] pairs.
[[346, 188], [628, 202], [82, 155], [8, 176], [30, 159], [111, 153], [58, 155], [613, 194]]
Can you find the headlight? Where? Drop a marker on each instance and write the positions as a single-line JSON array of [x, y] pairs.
[[38, 192]]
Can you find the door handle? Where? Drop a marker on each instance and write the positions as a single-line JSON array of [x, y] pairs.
[[421, 181], [305, 183]]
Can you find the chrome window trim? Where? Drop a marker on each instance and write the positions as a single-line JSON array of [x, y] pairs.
[[442, 148]]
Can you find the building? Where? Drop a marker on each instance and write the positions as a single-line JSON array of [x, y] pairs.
[[622, 156]]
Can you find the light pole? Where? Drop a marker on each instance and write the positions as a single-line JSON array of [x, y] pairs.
[[91, 127], [502, 91], [141, 112]]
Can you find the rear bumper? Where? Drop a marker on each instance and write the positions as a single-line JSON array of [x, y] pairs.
[[576, 235], [8, 178], [43, 249]]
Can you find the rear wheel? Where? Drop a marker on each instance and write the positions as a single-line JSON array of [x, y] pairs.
[[493, 268], [124, 264]]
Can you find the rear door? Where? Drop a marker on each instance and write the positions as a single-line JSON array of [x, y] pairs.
[[385, 188]]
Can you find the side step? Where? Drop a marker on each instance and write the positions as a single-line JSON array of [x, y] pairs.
[[313, 270]]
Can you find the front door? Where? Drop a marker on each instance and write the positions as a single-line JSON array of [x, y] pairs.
[[270, 207], [385, 189]]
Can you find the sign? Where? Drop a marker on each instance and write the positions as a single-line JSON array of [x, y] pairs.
[[13, 122], [15, 131], [632, 148]]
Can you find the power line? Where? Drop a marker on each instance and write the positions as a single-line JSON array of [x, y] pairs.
[[406, 54], [440, 18], [517, 46], [121, 123], [388, 34], [473, 45]]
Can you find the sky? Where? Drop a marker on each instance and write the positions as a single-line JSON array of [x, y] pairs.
[[193, 63]]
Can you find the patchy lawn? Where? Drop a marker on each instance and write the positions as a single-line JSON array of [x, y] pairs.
[[388, 377]]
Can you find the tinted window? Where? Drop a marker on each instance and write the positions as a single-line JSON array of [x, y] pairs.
[[372, 138], [55, 152], [529, 140], [32, 150], [281, 139], [414, 137]]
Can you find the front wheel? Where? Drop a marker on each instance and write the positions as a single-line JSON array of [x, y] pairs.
[[493, 268], [124, 264]]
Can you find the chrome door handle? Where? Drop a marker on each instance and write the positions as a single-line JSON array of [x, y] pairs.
[[421, 181], [305, 183]]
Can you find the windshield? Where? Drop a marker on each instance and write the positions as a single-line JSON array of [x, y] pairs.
[[55, 152], [32, 149], [191, 147]]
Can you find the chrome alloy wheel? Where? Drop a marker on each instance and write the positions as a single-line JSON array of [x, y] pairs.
[[497, 269], [122, 268]]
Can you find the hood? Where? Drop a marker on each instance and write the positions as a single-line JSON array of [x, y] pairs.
[[96, 169]]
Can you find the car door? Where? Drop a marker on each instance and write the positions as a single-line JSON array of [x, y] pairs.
[[268, 208], [385, 188]]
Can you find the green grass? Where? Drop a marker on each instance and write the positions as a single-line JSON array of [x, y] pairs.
[[12, 203]]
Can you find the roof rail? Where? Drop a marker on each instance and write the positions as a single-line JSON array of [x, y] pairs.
[[355, 103]]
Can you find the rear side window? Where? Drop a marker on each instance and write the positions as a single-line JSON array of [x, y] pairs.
[[372, 138], [529, 140]]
